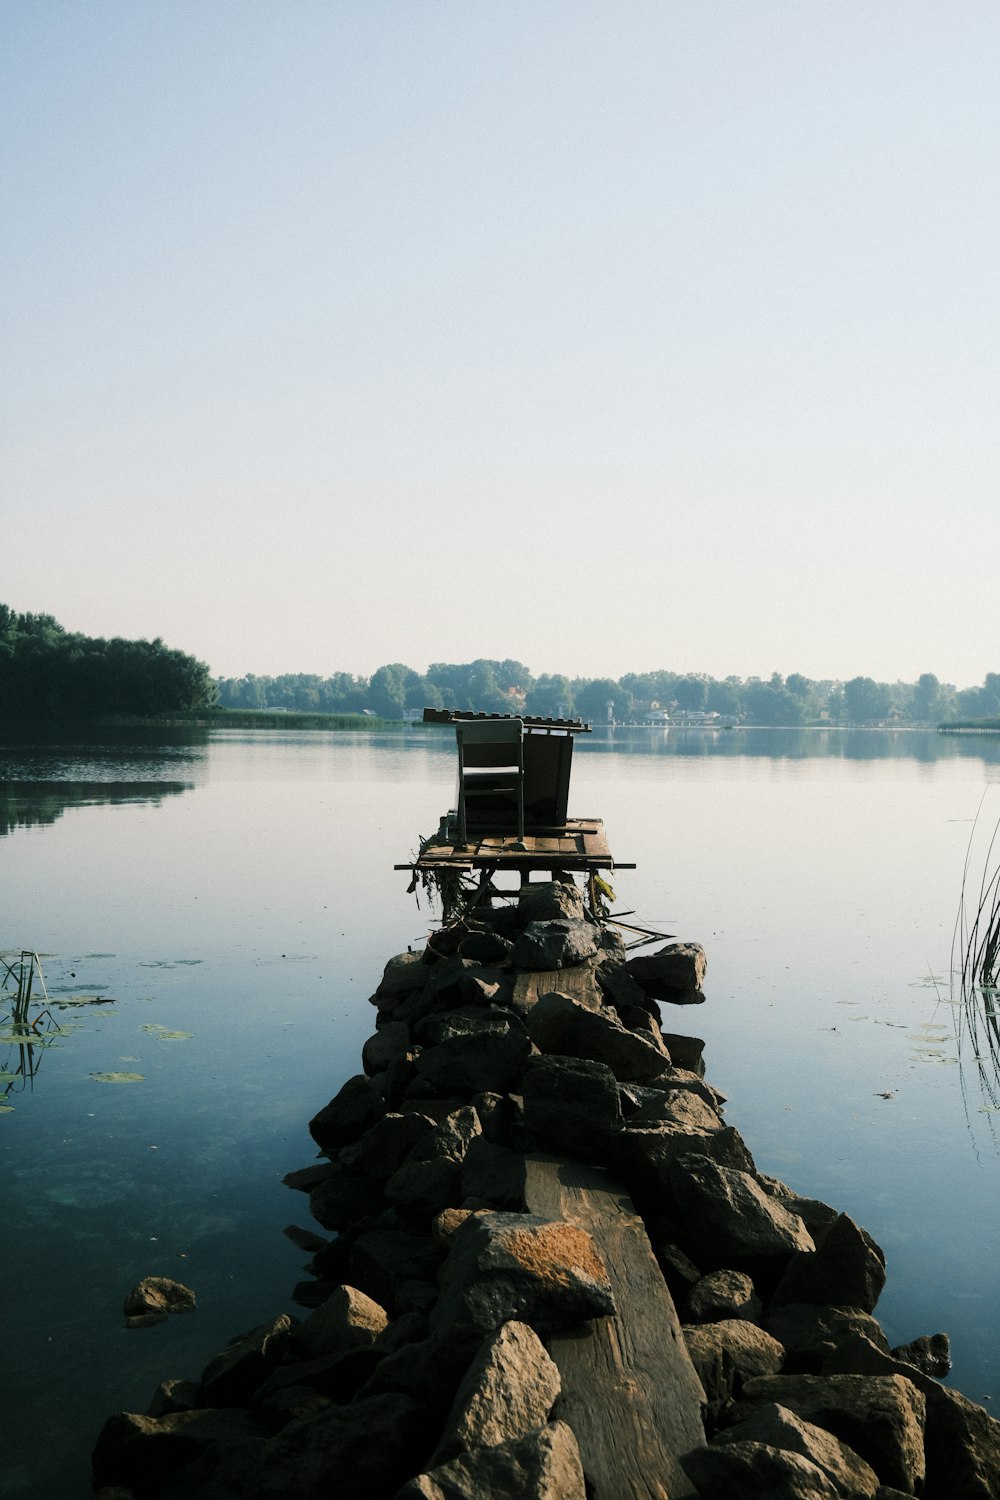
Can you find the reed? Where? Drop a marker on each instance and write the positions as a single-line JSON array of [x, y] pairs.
[[975, 958]]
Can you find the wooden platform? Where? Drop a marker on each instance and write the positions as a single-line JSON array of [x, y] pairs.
[[629, 1389], [579, 844]]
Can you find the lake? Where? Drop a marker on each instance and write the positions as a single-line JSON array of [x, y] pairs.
[[214, 909]]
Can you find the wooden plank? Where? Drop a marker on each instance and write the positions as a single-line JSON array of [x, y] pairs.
[[579, 982], [629, 1389]]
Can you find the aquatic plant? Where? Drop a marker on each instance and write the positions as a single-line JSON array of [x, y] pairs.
[[21, 977], [975, 958]]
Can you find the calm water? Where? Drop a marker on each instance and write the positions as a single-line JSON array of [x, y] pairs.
[[239, 888]]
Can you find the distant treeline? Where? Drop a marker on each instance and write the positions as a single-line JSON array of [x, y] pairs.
[[509, 687], [46, 672]]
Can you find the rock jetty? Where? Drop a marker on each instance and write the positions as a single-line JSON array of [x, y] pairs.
[[550, 1270]]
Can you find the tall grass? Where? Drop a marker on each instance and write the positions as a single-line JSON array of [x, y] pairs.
[[976, 955], [21, 982]]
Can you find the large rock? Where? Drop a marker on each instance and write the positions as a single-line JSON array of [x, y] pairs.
[[571, 1104], [388, 1045], [341, 1198], [348, 1115], [430, 1178], [847, 1269], [556, 944], [727, 1353], [346, 1320], [403, 974], [563, 1025], [542, 1465], [756, 1471], [364, 1451], [550, 900], [492, 1176], [811, 1333], [781, 1428], [504, 1266], [675, 973], [645, 1154], [389, 1141], [729, 1219], [138, 1453], [721, 1295], [154, 1299], [384, 1261], [881, 1417], [931, 1354], [961, 1441], [483, 1051], [231, 1378], [508, 1390]]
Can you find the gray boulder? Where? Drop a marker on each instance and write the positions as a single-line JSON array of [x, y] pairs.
[[961, 1441], [389, 1141], [931, 1354], [138, 1453], [348, 1319], [390, 1042], [810, 1333], [556, 944], [756, 1471], [363, 1451], [505, 1266], [728, 1218], [674, 974], [881, 1417], [846, 1269], [483, 1051], [508, 1390], [550, 900], [430, 1178], [231, 1378], [781, 1428], [721, 1295], [563, 1025], [155, 1299], [727, 1353], [571, 1104], [542, 1465], [348, 1115]]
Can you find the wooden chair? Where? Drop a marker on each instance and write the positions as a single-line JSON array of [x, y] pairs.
[[490, 769]]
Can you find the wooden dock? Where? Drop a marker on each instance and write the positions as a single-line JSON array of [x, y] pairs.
[[629, 1389], [578, 844]]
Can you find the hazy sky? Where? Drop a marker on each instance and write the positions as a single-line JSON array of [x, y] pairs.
[[603, 334]]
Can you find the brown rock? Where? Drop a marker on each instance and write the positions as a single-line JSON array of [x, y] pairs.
[[154, 1299], [881, 1417], [721, 1294], [811, 1333], [344, 1321], [508, 1390], [674, 973], [505, 1266], [756, 1471], [728, 1218], [780, 1428], [137, 1453], [727, 1353], [231, 1378], [542, 1465], [847, 1269]]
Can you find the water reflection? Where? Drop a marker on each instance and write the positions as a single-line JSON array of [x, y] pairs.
[[32, 804], [795, 744], [27, 1025]]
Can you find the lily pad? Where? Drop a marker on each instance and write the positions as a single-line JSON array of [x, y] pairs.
[[118, 1077], [162, 1034]]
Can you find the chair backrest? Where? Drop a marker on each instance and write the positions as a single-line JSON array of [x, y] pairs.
[[488, 731]]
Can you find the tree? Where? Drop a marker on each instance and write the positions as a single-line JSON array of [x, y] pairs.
[[591, 697], [550, 697], [865, 699], [691, 693], [387, 690]]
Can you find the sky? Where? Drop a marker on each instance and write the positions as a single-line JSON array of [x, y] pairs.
[[608, 335]]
